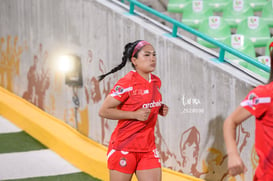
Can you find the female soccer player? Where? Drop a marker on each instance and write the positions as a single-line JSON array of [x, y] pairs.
[[259, 103], [135, 101]]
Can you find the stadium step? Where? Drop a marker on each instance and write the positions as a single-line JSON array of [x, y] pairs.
[[24, 158]]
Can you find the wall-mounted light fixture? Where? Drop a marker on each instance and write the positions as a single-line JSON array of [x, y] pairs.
[[72, 67]]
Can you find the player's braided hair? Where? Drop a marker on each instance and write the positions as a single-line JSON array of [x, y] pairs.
[[127, 55]]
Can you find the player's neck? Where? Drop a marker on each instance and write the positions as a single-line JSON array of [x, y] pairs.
[[146, 76]]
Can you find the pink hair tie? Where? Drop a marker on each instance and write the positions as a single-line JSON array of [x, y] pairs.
[[139, 46]]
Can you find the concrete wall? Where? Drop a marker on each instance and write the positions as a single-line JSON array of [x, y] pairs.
[[199, 91]]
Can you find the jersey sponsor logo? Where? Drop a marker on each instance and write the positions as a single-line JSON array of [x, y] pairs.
[[140, 92], [254, 100], [152, 104]]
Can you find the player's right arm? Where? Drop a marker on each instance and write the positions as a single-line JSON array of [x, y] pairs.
[[109, 110]]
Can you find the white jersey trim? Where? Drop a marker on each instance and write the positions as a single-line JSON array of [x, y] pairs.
[[261, 100], [111, 153]]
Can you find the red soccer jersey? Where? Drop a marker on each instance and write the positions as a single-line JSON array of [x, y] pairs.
[[259, 103], [135, 92]]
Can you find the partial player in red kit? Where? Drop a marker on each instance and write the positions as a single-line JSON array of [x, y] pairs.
[[259, 103], [135, 101]]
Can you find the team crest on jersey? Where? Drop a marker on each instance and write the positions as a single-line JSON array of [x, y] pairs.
[[119, 89], [253, 100], [122, 162]]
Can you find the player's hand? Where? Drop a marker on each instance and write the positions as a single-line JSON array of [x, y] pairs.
[[163, 111], [142, 114], [235, 165]]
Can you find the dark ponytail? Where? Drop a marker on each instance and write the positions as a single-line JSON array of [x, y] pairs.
[[127, 55]]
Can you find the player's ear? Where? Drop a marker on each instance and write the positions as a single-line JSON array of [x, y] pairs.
[[133, 60]]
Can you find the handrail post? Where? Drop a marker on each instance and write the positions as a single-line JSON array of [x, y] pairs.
[[174, 33], [222, 55], [132, 7]]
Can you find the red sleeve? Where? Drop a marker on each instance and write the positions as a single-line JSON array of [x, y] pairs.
[[257, 101], [121, 90]]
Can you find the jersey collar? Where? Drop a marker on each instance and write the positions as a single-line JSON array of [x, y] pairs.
[[150, 76]]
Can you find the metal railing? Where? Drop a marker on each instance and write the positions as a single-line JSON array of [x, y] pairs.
[[176, 24]]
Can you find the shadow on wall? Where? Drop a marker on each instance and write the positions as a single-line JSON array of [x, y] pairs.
[[217, 157]]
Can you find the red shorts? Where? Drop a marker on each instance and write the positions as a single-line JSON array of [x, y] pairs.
[[129, 162], [265, 177]]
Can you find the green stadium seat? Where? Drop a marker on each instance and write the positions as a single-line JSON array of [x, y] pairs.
[[267, 53], [241, 43], [236, 11], [215, 27], [244, 45], [257, 5], [196, 12], [256, 29], [218, 5], [267, 13], [177, 6], [263, 59]]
